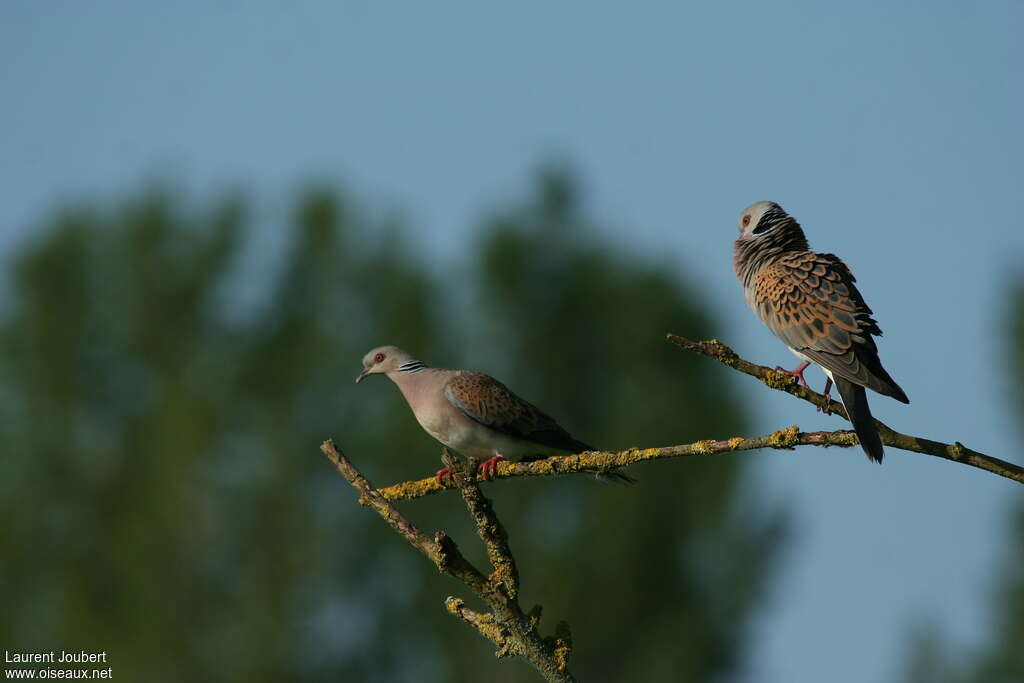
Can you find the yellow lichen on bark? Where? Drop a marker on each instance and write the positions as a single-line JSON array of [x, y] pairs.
[[777, 380], [784, 438], [408, 489], [542, 467], [703, 447], [562, 641], [848, 439], [485, 624]]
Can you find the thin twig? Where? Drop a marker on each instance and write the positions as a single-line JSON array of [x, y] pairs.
[[955, 451], [507, 626], [488, 527], [440, 550], [783, 438], [589, 461]]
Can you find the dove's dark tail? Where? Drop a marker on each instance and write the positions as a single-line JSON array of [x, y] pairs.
[[614, 477], [610, 476], [855, 400]]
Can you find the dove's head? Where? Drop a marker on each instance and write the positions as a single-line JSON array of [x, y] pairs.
[[385, 359], [760, 218], [766, 224]]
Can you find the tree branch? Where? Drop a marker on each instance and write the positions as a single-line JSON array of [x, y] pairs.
[[955, 451], [589, 461], [511, 630], [488, 527], [781, 439], [514, 632]]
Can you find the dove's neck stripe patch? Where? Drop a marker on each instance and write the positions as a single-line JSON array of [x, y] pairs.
[[412, 366], [772, 217]]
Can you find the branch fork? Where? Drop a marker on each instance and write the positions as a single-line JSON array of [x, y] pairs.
[[515, 633], [512, 631]]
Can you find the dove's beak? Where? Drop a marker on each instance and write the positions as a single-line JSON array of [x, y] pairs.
[[362, 375]]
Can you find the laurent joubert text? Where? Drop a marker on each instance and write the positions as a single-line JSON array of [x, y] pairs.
[[71, 662], [51, 657]]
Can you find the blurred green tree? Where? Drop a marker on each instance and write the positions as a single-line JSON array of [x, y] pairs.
[[163, 496], [1000, 660]]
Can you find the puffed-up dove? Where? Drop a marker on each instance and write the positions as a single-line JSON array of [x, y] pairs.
[[810, 302]]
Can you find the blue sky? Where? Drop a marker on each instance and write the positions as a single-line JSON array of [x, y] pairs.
[[890, 130]]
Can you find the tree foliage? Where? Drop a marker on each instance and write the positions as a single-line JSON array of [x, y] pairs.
[[163, 496], [1001, 658]]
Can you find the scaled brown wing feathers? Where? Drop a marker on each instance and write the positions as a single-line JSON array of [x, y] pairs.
[[810, 302], [486, 400]]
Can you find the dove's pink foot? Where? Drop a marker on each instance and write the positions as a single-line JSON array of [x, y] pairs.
[[489, 467], [442, 474], [828, 398], [797, 372]]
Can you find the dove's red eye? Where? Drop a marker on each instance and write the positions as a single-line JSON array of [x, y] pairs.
[[746, 221], [378, 358]]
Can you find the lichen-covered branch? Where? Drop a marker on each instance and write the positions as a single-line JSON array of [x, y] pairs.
[[440, 549], [488, 527], [783, 438], [512, 631], [772, 378], [956, 451], [589, 461], [486, 624]]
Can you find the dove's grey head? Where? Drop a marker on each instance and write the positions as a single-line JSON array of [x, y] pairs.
[[385, 359], [760, 218], [766, 224], [766, 233]]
